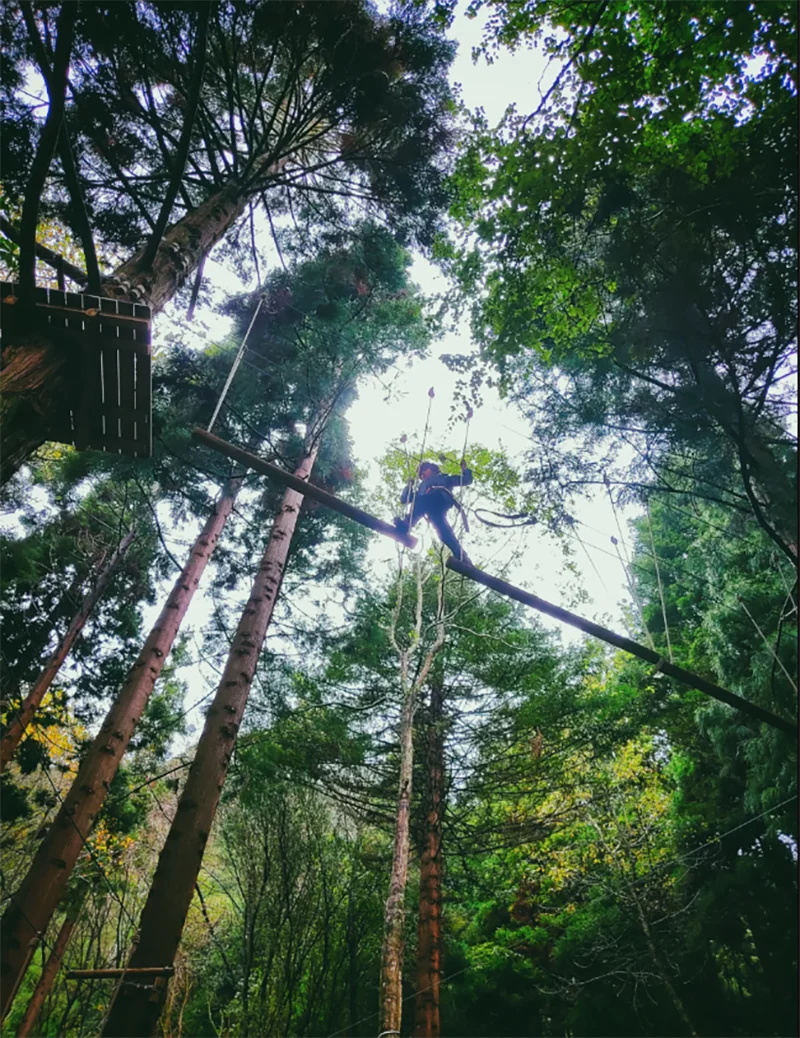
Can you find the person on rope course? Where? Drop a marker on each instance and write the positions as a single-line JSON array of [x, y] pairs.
[[433, 499]]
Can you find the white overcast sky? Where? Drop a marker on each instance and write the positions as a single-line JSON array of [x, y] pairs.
[[377, 423]]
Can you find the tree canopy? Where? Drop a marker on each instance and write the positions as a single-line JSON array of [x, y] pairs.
[[328, 791]]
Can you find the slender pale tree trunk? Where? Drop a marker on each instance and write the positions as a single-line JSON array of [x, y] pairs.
[[391, 984], [661, 966], [135, 1011], [51, 968], [36, 899], [22, 718], [394, 909], [429, 927], [352, 960]]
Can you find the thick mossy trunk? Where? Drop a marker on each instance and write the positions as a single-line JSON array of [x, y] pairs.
[[32, 380], [135, 1010], [30, 909]]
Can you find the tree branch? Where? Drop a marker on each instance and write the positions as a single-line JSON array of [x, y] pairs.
[[56, 90], [67, 161], [185, 140], [52, 259]]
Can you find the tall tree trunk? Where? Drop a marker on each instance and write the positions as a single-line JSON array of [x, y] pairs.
[[429, 932], [135, 1011], [394, 910], [352, 960], [180, 251], [51, 968], [391, 983], [36, 899], [65, 607], [761, 470], [36, 693]]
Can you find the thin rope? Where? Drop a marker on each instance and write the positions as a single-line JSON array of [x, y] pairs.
[[789, 590], [589, 557], [625, 565], [616, 518], [464, 448], [767, 642], [658, 578], [526, 519], [235, 366], [634, 596], [421, 457]]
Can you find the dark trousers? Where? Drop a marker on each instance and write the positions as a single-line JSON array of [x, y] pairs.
[[437, 514]]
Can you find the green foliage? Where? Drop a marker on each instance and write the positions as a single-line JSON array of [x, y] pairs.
[[374, 130], [632, 274]]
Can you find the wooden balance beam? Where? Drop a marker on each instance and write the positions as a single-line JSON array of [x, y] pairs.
[[501, 586], [252, 461], [621, 642]]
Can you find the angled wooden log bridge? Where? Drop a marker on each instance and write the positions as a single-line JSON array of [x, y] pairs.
[[501, 586], [252, 461]]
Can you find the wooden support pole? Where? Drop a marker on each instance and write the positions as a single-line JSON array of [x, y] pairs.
[[621, 642], [252, 461], [152, 971]]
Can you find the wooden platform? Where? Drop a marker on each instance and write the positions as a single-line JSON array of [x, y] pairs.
[[109, 341]]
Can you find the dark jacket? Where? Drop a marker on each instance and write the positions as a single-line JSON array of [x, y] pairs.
[[440, 485]]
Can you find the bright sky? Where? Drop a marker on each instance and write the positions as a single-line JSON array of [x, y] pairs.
[[377, 424]]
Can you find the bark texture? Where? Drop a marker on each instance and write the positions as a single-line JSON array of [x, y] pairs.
[[429, 927], [36, 693], [12, 677], [394, 910], [35, 901], [391, 982], [31, 383], [180, 251], [135, 1011], [50, 971]]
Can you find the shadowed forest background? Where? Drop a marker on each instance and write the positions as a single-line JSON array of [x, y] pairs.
[[403, 804]]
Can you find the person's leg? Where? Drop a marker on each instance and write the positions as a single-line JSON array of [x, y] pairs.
[[408, 522], [447, 536]]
